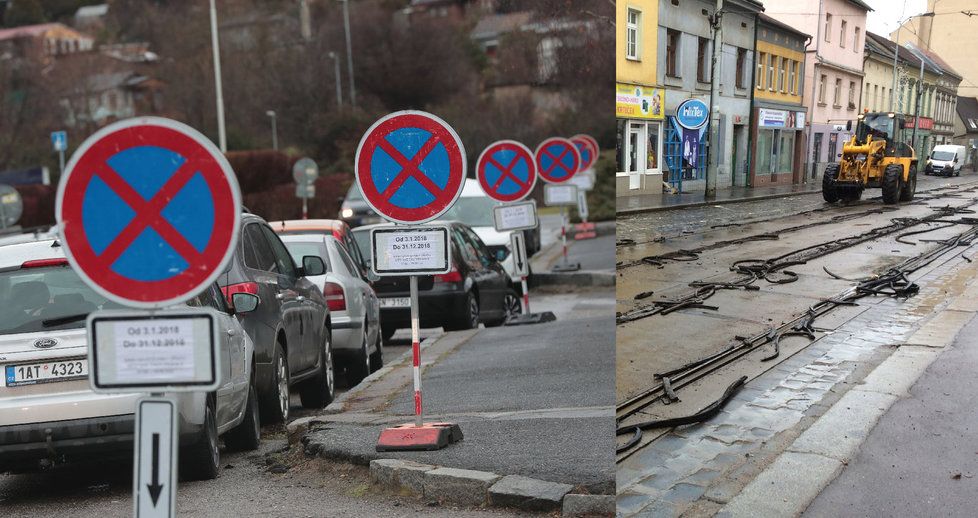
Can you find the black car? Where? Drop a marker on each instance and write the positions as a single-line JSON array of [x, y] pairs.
[[355, 211], [290, 327], [476, 289]]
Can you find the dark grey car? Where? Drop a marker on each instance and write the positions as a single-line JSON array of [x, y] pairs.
[[290, 327]]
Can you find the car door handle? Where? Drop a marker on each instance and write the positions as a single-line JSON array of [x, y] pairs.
[[300, 298], [232, 332], [279, 296]]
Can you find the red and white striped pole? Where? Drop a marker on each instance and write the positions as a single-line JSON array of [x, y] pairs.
[[416, 351], [563, 232], [526, 297]]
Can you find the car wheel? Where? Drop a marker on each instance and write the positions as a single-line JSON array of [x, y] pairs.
[[202, 460], [387, 332], [469, 320], [320, 390], [377, 357], [247, 435], [275, 407], [359, 367], [511, 308]]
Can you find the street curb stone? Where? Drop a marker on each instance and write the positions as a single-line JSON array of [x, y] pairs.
[[459, 486], [785, 488], [400, 474], [527, 493], [588, 505], [575, 279]]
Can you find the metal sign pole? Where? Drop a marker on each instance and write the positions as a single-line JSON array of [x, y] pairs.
[[61, 160], [526, 297], [416, 351], [563, 232], [305, 208]]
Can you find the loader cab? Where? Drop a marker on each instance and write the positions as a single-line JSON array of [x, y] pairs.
[[886, 126]]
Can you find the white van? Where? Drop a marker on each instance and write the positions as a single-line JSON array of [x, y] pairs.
[[946, 160]]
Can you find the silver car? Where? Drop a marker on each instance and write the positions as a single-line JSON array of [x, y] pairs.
[[48, 412], [353, 305]]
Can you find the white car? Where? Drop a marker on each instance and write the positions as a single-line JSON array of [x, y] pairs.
[[474, 209], [48, 412], [353, 306]]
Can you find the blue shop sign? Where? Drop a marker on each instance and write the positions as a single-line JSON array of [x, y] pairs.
[[692, 114]]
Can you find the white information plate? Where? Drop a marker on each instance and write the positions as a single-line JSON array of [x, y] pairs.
[[394, 302], [162, 351], [559, 194], [583, 180], [410, 250], [517, 246], [515, 216]]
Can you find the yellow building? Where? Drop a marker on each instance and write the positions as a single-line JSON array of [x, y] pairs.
[[639, 105]]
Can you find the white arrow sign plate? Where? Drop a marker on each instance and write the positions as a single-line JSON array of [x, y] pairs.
[[155, 466], [518, 246]]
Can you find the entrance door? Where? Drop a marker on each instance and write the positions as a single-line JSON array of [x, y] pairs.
[[816, 146]]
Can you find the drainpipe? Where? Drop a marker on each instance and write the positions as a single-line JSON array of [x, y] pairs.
[[815, 63]]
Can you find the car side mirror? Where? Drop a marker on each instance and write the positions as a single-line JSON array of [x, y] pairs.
[[500, 255], [372, 276], [242, 302], [313, 265]]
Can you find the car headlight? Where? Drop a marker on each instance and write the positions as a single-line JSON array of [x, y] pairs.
[[346, 213]]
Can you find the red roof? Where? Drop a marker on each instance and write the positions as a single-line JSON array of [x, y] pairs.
[[27, 30]]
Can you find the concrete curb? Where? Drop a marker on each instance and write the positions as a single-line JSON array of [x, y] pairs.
[[643, 210], [482, 488], [585, 278], [824, 449]]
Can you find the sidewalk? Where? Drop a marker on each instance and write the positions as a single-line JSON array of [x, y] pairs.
[[655, 202]]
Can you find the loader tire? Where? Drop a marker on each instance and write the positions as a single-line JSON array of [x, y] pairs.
[[829, 191], [910, 187], [892, 176]]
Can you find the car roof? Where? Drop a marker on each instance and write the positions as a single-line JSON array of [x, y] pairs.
[[326, 225], [364, 228], [472, 189], [18, 254]]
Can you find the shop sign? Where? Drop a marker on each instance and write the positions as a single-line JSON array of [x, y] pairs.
[[926, 123], [692, 114], [780, 119], [638, 102]]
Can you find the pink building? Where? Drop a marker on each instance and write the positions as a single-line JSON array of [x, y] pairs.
[[833, 71]]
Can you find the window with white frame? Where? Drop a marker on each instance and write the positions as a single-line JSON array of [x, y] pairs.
[[633, 34], [855, 40], [770, 73], [828, 27], [842, 35], [821, 89], [852, 95], [838, 92], [782, 64]]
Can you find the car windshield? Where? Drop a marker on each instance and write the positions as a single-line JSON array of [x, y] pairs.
[[362, 238], [474, 211], [943, 155], [354, 193], [300, 249], [43, 299], [879, 125]]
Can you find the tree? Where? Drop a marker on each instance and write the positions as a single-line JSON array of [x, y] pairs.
[[24, 12]]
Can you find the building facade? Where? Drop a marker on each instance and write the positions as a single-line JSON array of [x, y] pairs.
[[966, 126], [778, 117], [951, 34], [686, 38], [943, 96], [639, 103], [833, 72]]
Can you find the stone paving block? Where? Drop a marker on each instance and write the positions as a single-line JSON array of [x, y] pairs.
[[630, 502], [659, 480], [400, 473], [840, 431], [684, 492], [661, 509], [588, 505], [779, 490], [941, 330], [529, 494], [459, 486]]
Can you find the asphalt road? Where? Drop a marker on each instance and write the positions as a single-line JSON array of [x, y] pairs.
[[921, 458]]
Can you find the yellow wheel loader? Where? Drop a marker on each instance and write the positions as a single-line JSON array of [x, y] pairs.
[[877, 155]]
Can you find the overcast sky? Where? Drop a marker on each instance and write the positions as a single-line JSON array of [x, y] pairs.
[[887, 14]]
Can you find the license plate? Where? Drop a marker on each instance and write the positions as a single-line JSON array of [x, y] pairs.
[[45, 372], [395, 302]]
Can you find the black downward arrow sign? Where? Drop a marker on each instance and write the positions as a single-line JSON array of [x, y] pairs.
[[155, 488], [519, 255]]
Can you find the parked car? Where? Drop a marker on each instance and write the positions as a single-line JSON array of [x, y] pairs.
[[290, 327], [475, 209], [477, 289], [334, 227], [355, 211], [946, 160], [56, 417], [353, 306]]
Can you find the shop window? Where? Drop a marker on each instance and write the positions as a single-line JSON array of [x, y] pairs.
[[632, 34], [786, 152], [672, 153], [672, 53], [641, 139]]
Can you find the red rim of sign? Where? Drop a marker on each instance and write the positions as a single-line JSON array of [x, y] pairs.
[[202, 157], [590, 144], [441, 133], [545, 173], [522, 152]]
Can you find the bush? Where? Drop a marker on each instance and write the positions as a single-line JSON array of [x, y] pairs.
[[38, 205], [281, 203], [261, 170]]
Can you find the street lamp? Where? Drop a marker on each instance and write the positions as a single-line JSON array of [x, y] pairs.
[[349, 51], [271, 113], [896, 52], [336, 72], [221, 135]]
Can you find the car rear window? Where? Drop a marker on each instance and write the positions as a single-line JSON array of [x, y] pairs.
[[362, 239], [474, 211], [44, 299]]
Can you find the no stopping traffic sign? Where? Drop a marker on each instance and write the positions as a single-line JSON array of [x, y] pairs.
[[506, 171], [557, 160], [148, 211], [410, 166]]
